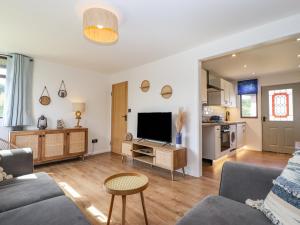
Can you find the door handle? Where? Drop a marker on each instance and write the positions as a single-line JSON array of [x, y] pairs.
[[125, 117], [264, 119]]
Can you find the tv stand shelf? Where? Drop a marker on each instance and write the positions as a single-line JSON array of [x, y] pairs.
[[164, 156]]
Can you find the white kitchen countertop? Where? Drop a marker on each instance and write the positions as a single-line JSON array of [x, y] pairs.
[[221, 123]]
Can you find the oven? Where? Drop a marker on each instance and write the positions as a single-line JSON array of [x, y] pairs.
[[225, 138]]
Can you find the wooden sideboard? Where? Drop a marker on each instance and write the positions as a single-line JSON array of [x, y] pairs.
[[52, 145], [164, 156]]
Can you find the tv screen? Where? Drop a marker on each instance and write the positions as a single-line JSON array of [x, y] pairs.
[[155, 126]]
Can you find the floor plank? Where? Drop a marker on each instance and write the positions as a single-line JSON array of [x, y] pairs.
[[166, 201], [268, 159]]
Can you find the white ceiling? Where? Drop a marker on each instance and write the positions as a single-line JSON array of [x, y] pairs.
[[149, 29], [274, 58]]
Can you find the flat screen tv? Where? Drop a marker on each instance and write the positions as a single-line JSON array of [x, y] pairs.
[[155, 126]]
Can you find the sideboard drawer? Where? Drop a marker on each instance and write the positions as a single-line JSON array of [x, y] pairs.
[[126, 149], [164, 158], [29, 141]]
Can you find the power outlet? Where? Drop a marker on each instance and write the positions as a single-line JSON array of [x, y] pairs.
[[94, 141]]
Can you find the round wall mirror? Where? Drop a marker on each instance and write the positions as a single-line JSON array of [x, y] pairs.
[[145, 86], [166, 91]]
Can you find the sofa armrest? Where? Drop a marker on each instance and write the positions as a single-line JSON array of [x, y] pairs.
[[17, 162], [242, 181]]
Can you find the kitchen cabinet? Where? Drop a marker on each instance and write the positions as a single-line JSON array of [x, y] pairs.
[[203, 86], [241, 135], [232, 95], [211, 142], [226, 97]]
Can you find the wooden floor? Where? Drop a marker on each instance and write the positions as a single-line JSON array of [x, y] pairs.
[[166, 201], [268, 159]]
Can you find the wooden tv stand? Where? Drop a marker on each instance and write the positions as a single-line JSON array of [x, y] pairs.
[[164, 156]]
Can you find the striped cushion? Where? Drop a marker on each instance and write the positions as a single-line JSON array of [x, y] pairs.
[[282, 205]]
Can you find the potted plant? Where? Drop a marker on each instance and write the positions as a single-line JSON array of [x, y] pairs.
[[179, 124]]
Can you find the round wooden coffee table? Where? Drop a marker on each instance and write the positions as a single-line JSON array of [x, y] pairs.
[[126, 184]]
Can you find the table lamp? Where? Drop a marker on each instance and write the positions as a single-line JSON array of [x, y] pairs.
[[78, 108]]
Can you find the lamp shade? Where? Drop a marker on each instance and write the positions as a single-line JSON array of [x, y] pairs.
[[100, 25], [78, 106]]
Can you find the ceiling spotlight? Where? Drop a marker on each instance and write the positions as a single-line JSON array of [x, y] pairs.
[[245, 66], [233, 55], [253, 73], [299, 66], [298, 55], [298, 39]]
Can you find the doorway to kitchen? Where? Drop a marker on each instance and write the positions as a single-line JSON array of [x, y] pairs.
[[254, 93]]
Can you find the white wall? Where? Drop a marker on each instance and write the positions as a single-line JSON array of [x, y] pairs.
[[254, 126], [175, 72], [86, 86], [182, 72]]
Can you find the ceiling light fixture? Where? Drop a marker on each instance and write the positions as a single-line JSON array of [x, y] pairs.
[[298, 55], [100, 25], [298, 39], [253, 73], [233, 55], [245, 66]]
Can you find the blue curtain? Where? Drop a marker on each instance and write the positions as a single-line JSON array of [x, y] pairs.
[[18, 89]]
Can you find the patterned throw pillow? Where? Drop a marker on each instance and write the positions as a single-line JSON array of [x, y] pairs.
[[4, 176], [282, 205]]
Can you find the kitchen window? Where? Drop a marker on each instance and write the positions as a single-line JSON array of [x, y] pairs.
[[247, 90], [248, 106]]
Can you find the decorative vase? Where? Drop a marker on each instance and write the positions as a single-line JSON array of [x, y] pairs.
[[60, 124], [178, 139]]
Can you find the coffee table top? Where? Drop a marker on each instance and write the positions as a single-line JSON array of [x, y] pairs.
[[126, 183]]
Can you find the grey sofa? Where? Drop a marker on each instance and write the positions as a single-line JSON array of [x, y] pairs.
[[238, 183], [33, 198]]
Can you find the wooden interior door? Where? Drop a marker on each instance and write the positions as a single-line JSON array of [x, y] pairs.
[[118, 116], [280, 108]]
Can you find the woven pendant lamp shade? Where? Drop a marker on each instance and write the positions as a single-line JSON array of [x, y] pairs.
[[100, 25]]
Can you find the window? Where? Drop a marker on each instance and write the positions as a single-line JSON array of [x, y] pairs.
[[281, 105], [248, 106], [247, 89], [2, 83]]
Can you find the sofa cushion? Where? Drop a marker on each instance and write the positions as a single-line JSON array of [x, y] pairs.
[[17, 162], [55, 211], [27, 189], [282, 205], [217, 210]]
